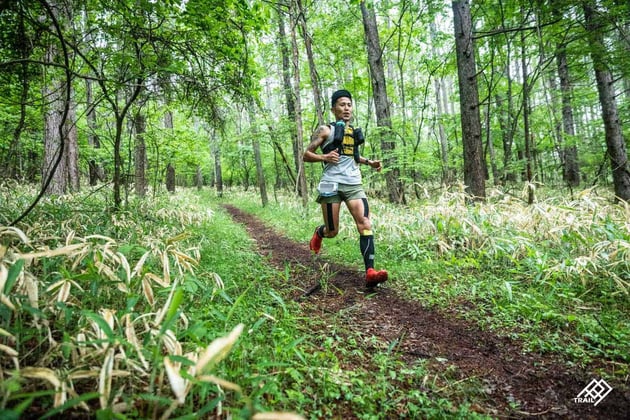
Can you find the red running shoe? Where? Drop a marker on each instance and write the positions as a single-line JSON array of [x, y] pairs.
[[316, 242], [374, 277]]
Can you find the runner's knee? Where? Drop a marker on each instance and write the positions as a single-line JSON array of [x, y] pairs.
[[364, 223]]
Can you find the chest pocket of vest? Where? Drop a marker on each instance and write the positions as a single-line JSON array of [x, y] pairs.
[[347, 144]]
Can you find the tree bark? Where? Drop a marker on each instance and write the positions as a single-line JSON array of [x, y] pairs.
[[569, 151], [317, 95], [381, 104], [437, 85], [96, 172], [526, 130], [260, 173], [72, 147], [571, 168], [199, 178], [218, 173], [299, 142], [615, 142], [56, 92], [170, 178], [474, 168], [286, 81], [140, 183]]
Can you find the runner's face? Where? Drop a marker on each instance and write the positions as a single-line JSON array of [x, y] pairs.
[[343, 109]]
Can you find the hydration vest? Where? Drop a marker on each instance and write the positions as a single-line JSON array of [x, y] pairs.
[[345, 139]]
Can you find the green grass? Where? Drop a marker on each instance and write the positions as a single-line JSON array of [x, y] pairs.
[[555, 275], [182, 275]]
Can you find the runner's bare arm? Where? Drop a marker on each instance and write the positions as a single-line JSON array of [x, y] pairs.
[[311, 155]]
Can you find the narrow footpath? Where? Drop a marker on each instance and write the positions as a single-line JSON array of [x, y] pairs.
[[540, 384]]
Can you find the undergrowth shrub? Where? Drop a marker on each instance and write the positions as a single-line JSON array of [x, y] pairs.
[[94, 311]]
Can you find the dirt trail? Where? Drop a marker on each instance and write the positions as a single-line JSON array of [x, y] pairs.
[[542, 385]]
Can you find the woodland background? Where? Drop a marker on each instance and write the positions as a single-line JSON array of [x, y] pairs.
[[136, 94], [126, 124]]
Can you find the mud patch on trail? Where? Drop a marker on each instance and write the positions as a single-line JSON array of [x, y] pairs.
[[539, 385]]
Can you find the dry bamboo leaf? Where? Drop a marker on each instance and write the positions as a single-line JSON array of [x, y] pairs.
[[148, 290], [4, 275], [107, 239], [218, 349], [172, 345], [162, 312], [64, 292], [130, 333], [105, 378], [166, 267], [70, 237], [140, 264], [80, 340], [221, 382], [179, 385], [55, 285], [79, 257], [126, 266], [9, 350], [183, 257], [85, 374], [122, 287], [31, 285], [14, 231], [177, 238], [6, 333], [218, 280], [41, 373], [184, 319], [65, 250], [156, 279], [109, 316], [5, 300], [60, 395]]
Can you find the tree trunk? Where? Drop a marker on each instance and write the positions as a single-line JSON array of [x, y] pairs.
[[299, 146], [96, 170], [615, 143], [286, 83], [568, 151], [170, 178], [56, 92], [571, 168], [140, 184], [218, 173], [54, 147], [437, 85], [474, 168], [11, 163], [168, 120], [317, 96], [381, 103], [490, 148], [526, 130], [260, 174], [72, 148]]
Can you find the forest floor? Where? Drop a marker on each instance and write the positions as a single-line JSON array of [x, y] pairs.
[[516, 383]]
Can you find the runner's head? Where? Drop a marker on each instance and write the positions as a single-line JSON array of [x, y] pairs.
[[341, 103]]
